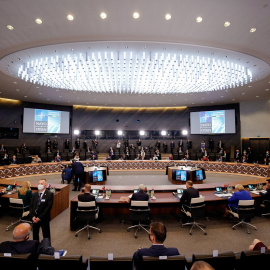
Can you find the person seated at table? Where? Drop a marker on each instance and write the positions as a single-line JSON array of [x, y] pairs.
[[155, 157], [201, 265], [77, 157], [187, 157], [138, 157], [140, 195], [157, 236], [25, 193], [85, 195], [37, 159], [66, 174], [244, 159], [170, 157], [239, 194], [257, 245], [21, 243], [57, 159], [123, 157], [13, 160], [93, 155], [204, 158]]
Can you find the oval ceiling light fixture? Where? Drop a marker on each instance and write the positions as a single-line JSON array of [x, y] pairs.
[[168, 16], [10, 27], [103, 15], [199, 19], [136, 15], [226, 24], [179, 69], [70, 17], [252, 30], [38, 21]]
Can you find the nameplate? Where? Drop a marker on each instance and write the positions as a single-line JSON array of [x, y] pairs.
[[110, 256], [7, 254], [215, 253], [57, 255], [262, 250], [163, 257]]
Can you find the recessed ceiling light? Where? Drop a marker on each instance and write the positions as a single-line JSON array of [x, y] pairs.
[[103, 15], [267, 89], [226, 24], [18, 90], [243, 94], [233, 99], [198, 19], [136, 15], [70, 17], [25, 96], [15, 82], [212, 101], [257, 96], [168, 16], [10, 27], [38, 21], [40, 93], [221, 96], [252, 30], [48, 99]]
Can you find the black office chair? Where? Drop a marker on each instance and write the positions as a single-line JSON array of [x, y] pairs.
[[195, 210], [250, 260], [139, 212], [17, 209], [223, 261], [87, 211], [119, 263], [46, 262], [245, 211], [163, 262], [17, 261], [266, 208]]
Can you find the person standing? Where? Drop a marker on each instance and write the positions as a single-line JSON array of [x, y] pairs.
[[40, 208], [55, 144], [118, 146], [67, 144], [77, 170], [165, 147], [85, 145], [181, 146], [142, 153], [172, 146]]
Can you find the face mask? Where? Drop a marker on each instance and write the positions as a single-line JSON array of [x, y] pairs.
[[40, 187]]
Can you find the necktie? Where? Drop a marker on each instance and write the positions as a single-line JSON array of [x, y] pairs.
[[39, 200]]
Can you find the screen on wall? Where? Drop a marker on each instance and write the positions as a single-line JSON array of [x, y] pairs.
[[212, 122], [45, 121]]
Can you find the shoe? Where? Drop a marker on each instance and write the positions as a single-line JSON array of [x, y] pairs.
[[62, 252], [74, 189]]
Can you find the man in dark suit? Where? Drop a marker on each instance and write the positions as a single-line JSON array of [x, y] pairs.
[[67, 144], [21, 243], [13, 160], [85, 196], [77, 170], [157, 236], [40, 209], [140, 195], [188, 193]]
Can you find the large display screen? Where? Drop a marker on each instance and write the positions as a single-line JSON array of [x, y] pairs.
[[199, 175], [181, 175], [97, 176], [212, 122], [45, 121]]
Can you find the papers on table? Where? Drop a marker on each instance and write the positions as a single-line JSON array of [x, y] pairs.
[[224, 195]]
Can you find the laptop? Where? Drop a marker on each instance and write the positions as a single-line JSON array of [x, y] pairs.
[[179, 192], [219, 190], [95, 192], [135, 190], [251, 187]]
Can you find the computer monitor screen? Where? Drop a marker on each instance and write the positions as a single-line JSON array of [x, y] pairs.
[[97, 176], [250, 186], [179, 191], [199, 175], [135, 190], [95, 191], [219, 189], [181, 175]]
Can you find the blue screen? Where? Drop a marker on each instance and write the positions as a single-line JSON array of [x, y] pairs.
[[181, 175], [199, 175], [97, 176]]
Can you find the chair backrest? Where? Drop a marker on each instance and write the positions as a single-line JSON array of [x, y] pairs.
[[246, 209], [119, 263], [139, 211], [86, 204], [18, 202], [224, 261], [17, 261], [77, 262], [254, 260], [172, 262], [86, 211], [197, 207]]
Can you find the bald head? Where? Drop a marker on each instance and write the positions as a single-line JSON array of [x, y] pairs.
[[21, 232]]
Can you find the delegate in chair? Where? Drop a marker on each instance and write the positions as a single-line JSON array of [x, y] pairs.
[[140, 195]]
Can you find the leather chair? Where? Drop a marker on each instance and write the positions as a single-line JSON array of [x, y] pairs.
[[266, 208], [245, 211], [17, 261], [77, 262], [119, 263], [139, 212], [163, 262], [18, 210], [195, 210], [87, 211], [224, 261]]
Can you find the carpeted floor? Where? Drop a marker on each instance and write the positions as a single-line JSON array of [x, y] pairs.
[[115, 238]]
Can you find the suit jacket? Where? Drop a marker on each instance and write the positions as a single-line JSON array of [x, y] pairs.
[[188, 194], [30, 246], [266, 196], [86, 197], [153, 251], [239, 195], [139, 196], [77, 168], [44, 209]]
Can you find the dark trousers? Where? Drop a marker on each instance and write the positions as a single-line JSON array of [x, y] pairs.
[[78, 179], [45, 226]]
